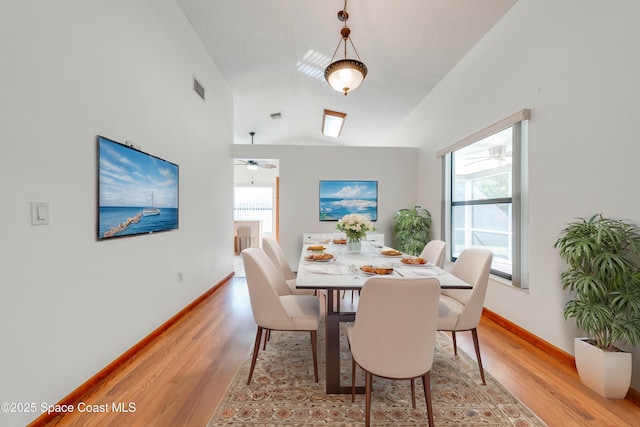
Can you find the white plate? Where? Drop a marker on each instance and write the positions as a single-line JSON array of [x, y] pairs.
[[428, 264], [424, 272], [360, 270], [319, 260], [392, 256]]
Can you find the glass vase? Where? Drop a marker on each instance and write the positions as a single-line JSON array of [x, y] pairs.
[[354, 245]]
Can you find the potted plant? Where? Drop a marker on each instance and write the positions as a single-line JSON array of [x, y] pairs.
[[604, 280], [412, 229]]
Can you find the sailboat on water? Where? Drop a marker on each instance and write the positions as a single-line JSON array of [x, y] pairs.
[[152, 210]]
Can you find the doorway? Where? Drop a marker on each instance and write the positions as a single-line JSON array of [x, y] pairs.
[[255, 200]]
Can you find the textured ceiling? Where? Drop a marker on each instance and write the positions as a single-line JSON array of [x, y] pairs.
[[273, 54]]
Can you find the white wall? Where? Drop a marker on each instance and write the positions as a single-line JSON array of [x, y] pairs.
[[302, 167], [71, 70], [576, 64]]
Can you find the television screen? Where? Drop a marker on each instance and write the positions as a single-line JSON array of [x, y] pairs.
[[137, 192], [339, 198]]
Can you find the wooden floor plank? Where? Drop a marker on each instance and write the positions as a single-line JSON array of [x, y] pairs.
[[181, 377]]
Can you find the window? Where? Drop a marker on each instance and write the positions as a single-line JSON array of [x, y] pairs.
[[254, 204], [485, 183]]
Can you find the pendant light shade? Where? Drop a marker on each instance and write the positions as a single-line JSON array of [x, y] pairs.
[[345, 74]]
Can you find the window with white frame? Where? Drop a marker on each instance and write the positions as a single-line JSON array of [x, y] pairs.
[[254, 204], [484, 187]]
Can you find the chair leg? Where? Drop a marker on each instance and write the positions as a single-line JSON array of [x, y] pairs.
[[344, 293], [267, 337], [413, 393], [315, 354], [367, 400], [455, 345], [353, 379], [476, 344], [256, 348], [426, 383]]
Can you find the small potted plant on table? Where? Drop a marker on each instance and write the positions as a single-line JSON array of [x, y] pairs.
[[604, 281]]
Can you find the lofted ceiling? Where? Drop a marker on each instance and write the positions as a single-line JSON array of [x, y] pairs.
[[273, 54]]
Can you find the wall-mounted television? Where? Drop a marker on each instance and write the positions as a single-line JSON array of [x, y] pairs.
[[137, 192], [339, 198]]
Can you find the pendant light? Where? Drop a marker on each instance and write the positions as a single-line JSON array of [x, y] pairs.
[[345, 74]]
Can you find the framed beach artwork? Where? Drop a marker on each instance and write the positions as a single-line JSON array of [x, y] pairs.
[[339, 198], [137, 192]]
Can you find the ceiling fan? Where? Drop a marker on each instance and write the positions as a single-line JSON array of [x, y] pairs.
[[497, 152], [254, 164]]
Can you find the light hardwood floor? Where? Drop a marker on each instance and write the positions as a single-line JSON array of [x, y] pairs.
[[179, 379]]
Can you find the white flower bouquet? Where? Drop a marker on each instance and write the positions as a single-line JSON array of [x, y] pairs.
[[355, 226]]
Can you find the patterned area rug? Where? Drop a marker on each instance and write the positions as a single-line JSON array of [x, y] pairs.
[[283, 391]]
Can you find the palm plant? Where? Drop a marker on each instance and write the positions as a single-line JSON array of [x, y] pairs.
[[412, 229], [603, 278]]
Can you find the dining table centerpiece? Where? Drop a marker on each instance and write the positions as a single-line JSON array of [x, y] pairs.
[[355, 226]]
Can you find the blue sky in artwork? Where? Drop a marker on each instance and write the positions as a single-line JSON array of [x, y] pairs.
[[338, 198], [348, 189], [129, 177]]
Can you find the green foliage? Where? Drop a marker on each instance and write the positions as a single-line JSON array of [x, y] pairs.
[[412, 229], [603, 278]]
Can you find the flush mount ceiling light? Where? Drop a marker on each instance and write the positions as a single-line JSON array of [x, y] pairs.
[[332, 122], [345, 74]]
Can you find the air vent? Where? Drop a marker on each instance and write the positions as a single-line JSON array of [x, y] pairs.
[[198, 88], [276, 116]]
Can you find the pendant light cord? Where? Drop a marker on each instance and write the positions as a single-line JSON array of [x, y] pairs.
[[343, 39]]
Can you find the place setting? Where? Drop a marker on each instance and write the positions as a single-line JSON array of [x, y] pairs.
[[371, 270], [404, 265], [418, 267], [321, 257]]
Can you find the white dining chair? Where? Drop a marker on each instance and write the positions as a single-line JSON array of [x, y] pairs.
[[394, 333], [461, 309], [434, 252], [274, 251], [244, 234], [273, 311]]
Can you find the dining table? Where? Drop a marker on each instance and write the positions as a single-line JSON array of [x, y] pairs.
[[343, 272]]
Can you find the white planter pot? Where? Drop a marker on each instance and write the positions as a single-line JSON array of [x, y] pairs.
[[608, 373]]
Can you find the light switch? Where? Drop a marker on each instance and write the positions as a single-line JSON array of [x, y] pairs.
[[39, 213], [43, 212]]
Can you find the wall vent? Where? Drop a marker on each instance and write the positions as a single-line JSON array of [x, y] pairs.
[[198, 88]]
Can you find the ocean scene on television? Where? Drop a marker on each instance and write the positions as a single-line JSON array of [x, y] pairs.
[[339, 198], [137, 192]]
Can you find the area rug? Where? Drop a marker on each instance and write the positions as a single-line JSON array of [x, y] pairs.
[[283, 392]]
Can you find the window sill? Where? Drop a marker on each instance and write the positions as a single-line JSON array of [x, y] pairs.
[[505, 282]]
